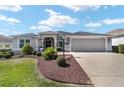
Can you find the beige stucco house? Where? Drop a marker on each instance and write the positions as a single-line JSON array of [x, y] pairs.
[[77, 42], [117, 36], [5, 42]]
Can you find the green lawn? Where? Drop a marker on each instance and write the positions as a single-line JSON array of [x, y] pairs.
[[22, 72]]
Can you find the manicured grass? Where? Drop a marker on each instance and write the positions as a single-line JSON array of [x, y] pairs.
[[22, 72]]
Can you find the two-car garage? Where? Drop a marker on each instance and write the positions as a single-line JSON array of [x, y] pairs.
[[87, 45]]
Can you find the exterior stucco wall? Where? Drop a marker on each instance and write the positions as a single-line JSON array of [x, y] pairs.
[[108, 44], [67, 47], [117, 41], [14, 44], [34, 43], [37, 42]]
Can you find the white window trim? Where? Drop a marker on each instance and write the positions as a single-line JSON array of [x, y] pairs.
[[19, 42]]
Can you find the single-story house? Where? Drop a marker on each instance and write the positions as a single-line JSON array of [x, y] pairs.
[[78, 41], [5, 42], [117, 36]]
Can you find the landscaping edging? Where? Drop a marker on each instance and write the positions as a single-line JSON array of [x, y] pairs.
[[20, 56], [73, 73]]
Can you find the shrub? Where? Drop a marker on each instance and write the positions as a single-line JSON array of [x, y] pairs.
[[115, 49], [34, 52], [50, 53], [7, 55], [59, 49], [46, 57], [121, 48], [27, 49], [11, 52], [1, 55], [54, 56], [5, 50], [38, 53], [61, 61]]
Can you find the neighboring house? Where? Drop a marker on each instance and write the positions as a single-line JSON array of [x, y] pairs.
[[117, 36], [78, 41], [5, 42]]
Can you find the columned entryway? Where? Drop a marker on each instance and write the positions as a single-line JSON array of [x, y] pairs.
[[48, 42]]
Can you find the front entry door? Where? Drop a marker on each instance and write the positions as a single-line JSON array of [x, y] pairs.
[[48, 44]]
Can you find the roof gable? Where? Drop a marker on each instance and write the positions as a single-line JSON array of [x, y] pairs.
[[25, 35], [116, 32], [5, 39]]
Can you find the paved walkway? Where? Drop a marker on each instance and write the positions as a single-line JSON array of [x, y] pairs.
[[104, 69]]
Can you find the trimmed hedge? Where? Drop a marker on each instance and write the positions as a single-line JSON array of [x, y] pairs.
[[115, 49], [34, 52], [1, 55], [59, 49], [38, 53], [5, 50], [7, 55], [61, 61], [50, 53], [27, 49], [121, 48]]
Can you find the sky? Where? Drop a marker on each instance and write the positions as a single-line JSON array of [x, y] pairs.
[[70, 18]]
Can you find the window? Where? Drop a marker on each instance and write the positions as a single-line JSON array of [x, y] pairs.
[[23, 41]]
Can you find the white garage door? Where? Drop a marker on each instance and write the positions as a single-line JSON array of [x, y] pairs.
[[87, 45]]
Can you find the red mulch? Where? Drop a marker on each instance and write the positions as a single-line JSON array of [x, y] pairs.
[[72, 73]]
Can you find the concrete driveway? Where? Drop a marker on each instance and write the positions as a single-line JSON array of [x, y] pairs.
[[104, 69]]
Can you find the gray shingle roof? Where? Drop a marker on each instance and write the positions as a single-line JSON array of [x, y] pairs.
[[116, 32], [25, 35], [5, 39], [79, 33], [48, 32], [82, 33], [122, 35]]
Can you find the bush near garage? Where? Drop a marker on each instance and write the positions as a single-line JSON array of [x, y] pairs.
[[61, 61], [50, 53], [121, 48], [59, 48], [115, 49]]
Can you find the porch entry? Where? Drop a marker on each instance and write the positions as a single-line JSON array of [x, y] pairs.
[[48, 42]]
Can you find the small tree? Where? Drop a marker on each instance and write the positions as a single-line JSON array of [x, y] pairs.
[[27, 49]]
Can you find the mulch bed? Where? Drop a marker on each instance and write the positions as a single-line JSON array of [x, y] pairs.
[[72, 73]]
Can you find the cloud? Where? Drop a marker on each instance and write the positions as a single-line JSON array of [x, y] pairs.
[[93, 24], [43, 28], [82, 7], [104, 21], [57, 19], [12, 8], [9, 20], [51, 12], [105, 7], [113, 21]]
